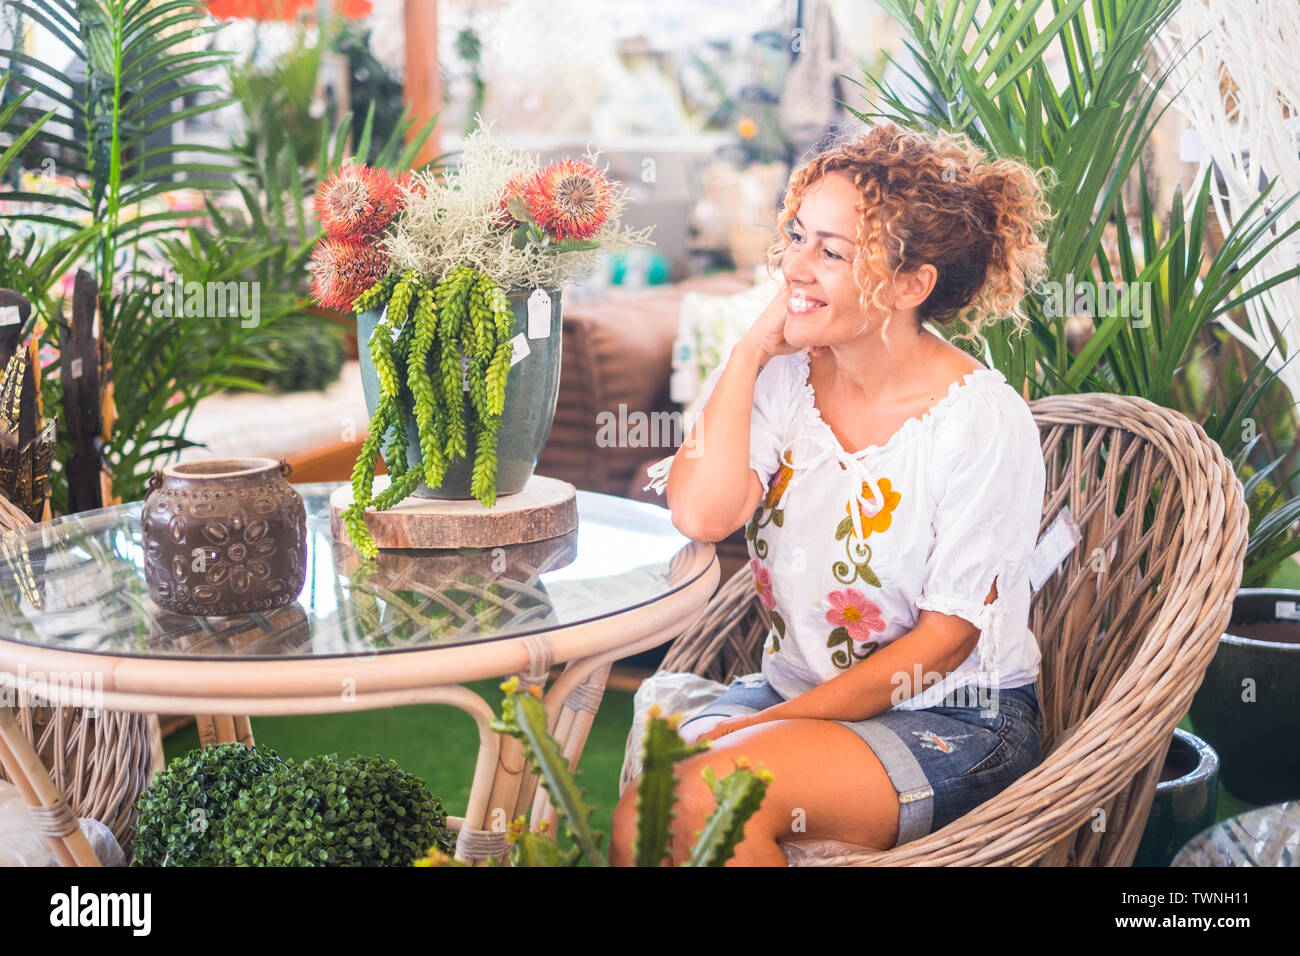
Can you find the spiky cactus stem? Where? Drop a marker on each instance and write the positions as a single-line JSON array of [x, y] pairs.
[[738, 795]]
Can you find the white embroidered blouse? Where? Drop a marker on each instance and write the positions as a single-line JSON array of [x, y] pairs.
[[847, 548]]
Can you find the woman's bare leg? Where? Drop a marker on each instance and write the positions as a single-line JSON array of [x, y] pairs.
[[826, 784]]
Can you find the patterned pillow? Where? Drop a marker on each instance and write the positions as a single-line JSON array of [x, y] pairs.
[[709, 327]]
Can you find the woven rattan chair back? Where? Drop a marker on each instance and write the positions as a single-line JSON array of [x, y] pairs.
[[100, 764], [1126, 626]]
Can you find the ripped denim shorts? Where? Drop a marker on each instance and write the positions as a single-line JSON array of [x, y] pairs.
[[943, 761]]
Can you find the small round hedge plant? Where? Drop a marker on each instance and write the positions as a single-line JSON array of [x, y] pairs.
[[176, 813], [362, 811]]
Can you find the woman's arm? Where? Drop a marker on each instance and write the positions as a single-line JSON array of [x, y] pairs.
[[934, 648], [711, 489]]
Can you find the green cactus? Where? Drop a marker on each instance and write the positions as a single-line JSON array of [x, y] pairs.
[[524, 718], [739, 794], [661, 750]]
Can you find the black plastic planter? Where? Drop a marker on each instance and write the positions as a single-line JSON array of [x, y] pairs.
[[1248, 707], [532, 389], [1186, 800]]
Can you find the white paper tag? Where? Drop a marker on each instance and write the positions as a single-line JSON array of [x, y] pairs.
[[1287, 610], [539, 314], [9, 315], [464, 373], [1060, 538], [383, 317], [521, 349], [76, 368]]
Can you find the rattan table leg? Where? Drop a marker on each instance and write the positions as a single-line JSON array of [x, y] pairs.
[[223, 729], [244, 730], [207, 728], [34, 785]]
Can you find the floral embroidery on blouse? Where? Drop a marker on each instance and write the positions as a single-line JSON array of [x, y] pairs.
[[879, 519], [762, 575], [858, 552], [780, 484], [856, 617], [762, 583]]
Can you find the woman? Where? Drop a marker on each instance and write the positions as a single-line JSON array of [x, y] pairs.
[[890, 487]]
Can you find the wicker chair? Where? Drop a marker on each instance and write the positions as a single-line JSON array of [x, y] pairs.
[[1124, 649], [99, 764]]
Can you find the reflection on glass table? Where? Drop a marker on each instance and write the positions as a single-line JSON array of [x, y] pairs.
[[77, 584]]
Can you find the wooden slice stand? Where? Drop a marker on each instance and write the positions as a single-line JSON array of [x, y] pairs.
[[546, 508]]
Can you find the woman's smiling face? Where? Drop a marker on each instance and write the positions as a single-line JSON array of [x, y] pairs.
[[824, 307]]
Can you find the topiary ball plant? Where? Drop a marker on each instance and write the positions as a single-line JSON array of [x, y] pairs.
[[362, 811], [175, 816]]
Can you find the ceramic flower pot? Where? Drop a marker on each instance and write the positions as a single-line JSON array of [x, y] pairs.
[[223, 536], [1186, 800], [532, 389], [1247, 706]]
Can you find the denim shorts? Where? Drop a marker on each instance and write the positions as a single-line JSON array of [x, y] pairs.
[[943, 761]]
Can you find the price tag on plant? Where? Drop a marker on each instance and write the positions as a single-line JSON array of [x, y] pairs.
[[539, 314], [1287, 610], [521, 349]]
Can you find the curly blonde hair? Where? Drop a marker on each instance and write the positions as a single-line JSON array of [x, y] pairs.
[[937, 198]]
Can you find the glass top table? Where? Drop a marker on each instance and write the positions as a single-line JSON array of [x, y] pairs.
[[77, 629], [77, 584]]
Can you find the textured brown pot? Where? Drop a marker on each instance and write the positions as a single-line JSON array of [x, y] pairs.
[[223, 536]]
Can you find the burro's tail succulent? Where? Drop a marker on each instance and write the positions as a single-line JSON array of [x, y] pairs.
[[738, 795]]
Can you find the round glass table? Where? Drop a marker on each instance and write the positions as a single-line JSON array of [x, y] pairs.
[[77, 628]]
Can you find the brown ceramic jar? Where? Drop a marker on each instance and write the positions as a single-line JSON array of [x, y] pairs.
[[223, 536]]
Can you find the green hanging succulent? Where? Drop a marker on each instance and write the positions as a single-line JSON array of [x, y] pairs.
[[465, 324]]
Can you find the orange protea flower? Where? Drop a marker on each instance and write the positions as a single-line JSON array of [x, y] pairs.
[[357, 201], [569, 199], [778, 487], [343, 269], [881, 519]]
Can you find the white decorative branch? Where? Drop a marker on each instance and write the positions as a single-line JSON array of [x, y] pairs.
[[1253, 45]]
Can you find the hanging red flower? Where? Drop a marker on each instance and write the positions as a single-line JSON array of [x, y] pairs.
[[357, 201], [570, 199], [345, 268]]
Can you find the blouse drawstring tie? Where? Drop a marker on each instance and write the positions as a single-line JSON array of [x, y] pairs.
[[853, 465]]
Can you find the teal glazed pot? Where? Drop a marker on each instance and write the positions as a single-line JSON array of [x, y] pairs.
[[1186, 800], [1247, 706], [532, 389]]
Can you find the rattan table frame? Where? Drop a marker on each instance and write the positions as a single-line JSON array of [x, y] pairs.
[[502, 787]]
